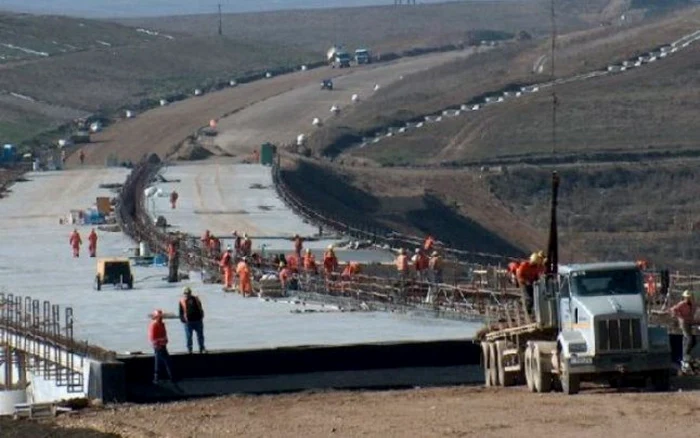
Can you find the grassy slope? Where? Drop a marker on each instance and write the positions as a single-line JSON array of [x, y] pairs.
[[382, 28], [522, 128]]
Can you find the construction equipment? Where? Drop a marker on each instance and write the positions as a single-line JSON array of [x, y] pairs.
[[327, 84], [362, 56], [590, 324], [115, 271]]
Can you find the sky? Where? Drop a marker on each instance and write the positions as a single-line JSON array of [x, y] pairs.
[[143, 8]]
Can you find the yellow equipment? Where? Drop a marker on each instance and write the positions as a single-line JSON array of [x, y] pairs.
[[116, 271]]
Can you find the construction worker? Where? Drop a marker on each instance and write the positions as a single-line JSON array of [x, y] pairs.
[[244, 277], [285, 275], [75, 242], [173, 260], [310, 262], [527, 274], [330, 261], [298, 245], [246, 246], [350, 271], [420, 264], [226, 264], [92, 243], [214, 247], [192, 316], [402, 264], [82, 157], [435, 276], [513, 272], [158, 337], [429, 244], [173, 199], [685, 312], [237, 243]]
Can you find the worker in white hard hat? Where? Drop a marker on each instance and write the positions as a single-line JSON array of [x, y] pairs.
[[330, 262], [158, 337], [527, 274], [685, 312]]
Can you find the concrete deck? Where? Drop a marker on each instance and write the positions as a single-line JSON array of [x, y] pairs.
[[35, 260]]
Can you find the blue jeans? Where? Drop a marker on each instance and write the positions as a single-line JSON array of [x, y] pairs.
[[161, 356], [197, 327]]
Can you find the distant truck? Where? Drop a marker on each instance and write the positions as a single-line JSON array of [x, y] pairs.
[[362, 56], [341, 60]]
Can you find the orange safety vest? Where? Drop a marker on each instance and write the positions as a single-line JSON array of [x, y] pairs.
[[650, 284]]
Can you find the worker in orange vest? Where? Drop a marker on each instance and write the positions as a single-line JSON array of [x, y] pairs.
[[285, 275], [158, 337], [310, 262], [420, 264], [350, 271], [513, 272], [173, 199], [226, 264], [330, 261], [528, 273], [75, 242], [243, 272], [429, 244], [402, 264], [298, 245], [92, 243]]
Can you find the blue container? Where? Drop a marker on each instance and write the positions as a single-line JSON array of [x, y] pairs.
[[8, 153]]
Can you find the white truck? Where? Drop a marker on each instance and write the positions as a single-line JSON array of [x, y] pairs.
[[362, 56], [590, 323]]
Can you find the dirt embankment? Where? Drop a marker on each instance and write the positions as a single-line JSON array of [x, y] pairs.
[[449, 412]]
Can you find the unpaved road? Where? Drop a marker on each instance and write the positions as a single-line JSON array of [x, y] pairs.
[[159, 129], [282, 118], [444, 412]]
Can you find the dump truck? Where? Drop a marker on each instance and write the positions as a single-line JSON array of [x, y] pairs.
[[362, 56], [589, 324]]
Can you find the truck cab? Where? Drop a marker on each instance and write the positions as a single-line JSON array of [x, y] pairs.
[[603, 328], [362, 56], [341, 59]]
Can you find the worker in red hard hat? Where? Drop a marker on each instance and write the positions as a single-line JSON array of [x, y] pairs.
[[158, 337], [75, 242], [92, 243]]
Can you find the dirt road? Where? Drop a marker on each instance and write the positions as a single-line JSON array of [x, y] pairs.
[[448, 412], [282, 118], [159, 129]]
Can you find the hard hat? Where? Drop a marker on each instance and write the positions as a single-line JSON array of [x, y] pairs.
[[402, 251], [687, 294], [534, 258], [330, 247], [434, 254], [417, 250], [245, 235], [282, 265], [157, 314], [228, 248], [187, 290], [308, 250]]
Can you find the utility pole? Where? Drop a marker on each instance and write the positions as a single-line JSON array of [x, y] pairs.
[[221, 31]]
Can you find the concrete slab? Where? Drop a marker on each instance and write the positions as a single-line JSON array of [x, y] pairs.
[[36, 261]]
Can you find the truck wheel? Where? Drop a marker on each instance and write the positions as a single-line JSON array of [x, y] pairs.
[[493, 365], [542, 378], [661, 380], [570, 383], [485, 362], [529, 369], [505, 379]]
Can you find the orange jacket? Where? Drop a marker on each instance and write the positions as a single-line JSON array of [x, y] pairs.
[[225, 261], [513, 267], [421, 262], [309, 262], [528, 273], [92, 238], [429, 243], [285, 275], [75, 239], [242, 269], [157, 334], [330, 261]]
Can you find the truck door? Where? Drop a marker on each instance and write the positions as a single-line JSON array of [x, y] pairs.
[[565, 316]]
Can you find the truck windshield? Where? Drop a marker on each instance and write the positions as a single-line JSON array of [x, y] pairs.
[[612, 282]]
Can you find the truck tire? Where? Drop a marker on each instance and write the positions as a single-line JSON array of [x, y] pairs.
[[485, 363], [529, 379], [661, 380], [493, 364], [504, 378], [541, 375]]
